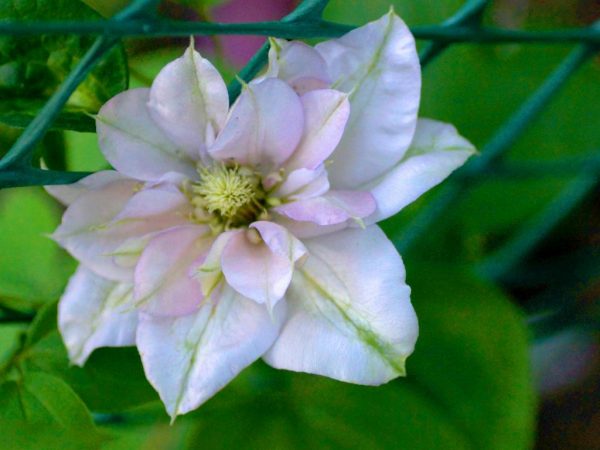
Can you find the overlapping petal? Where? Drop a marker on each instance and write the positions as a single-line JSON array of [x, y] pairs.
[[263, 128], [303, 183], [436, 151], [298, 64], [134, 144], [378, 66], [326, 112], [259, 262], [68, 193], [189, 102], [105, 224], [350, 316], [333, 208], [164, 281], [95, 312], [189, 358]]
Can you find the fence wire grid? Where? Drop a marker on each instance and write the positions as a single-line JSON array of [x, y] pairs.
[[140, 19]]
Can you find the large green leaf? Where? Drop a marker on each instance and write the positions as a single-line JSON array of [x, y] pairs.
[[39, 404], [32, 268], [32, 67], [468, 387], [112, 379]]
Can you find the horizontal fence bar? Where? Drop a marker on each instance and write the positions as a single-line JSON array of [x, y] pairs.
[[470, 14], [298, 28], [305, 10], [32, 176]]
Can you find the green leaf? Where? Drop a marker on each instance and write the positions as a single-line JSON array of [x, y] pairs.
[[32, 268], [32, 67], [472, 357], [44, 398], [19, 112], [101, 383], [468, 386], [107, 8], [39, 405]]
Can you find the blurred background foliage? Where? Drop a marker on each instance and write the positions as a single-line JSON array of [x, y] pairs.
[[498, 358]]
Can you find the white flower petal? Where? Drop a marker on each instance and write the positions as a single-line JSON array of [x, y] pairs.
[[164, 282], [68, 193], [95, 312], [303, 183], [134, 144], [263, 128], [350, 316], [326, 112], [436, 151], [189, 101], [259, 262], [298, 64], [101, 226], [330, 209], [189, 358], [378, 65]]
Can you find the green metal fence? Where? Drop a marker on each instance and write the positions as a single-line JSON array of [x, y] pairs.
[[140, 19]]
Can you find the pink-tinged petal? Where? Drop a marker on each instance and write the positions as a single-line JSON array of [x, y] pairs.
[[188, 359], [95, 312], [260, 267], [189, 101], [134, 144], [86, 218], [164, 283], [263, 128], [326, 112], [298, 64], [330, 209], [378, 66], [103, 225], [304, 230], [279, 240], [350, 316], [436, 151], [303, 183], [68, 193], [154, 202]]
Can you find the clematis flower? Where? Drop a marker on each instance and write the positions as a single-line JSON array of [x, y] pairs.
[[229, 234]]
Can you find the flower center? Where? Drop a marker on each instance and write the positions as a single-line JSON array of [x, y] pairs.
[[233, 196]]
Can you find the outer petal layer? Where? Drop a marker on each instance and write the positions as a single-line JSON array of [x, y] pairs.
[[108, 225], [378, 65], [189, 101], [436, 151], [68, 193], [95, 312], [133, 143], [188, 359], [350, 316]]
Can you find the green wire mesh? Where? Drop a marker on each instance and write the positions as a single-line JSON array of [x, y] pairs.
[[140, 19]]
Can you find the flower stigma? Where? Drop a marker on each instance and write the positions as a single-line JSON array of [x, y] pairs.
[[228, 196]]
